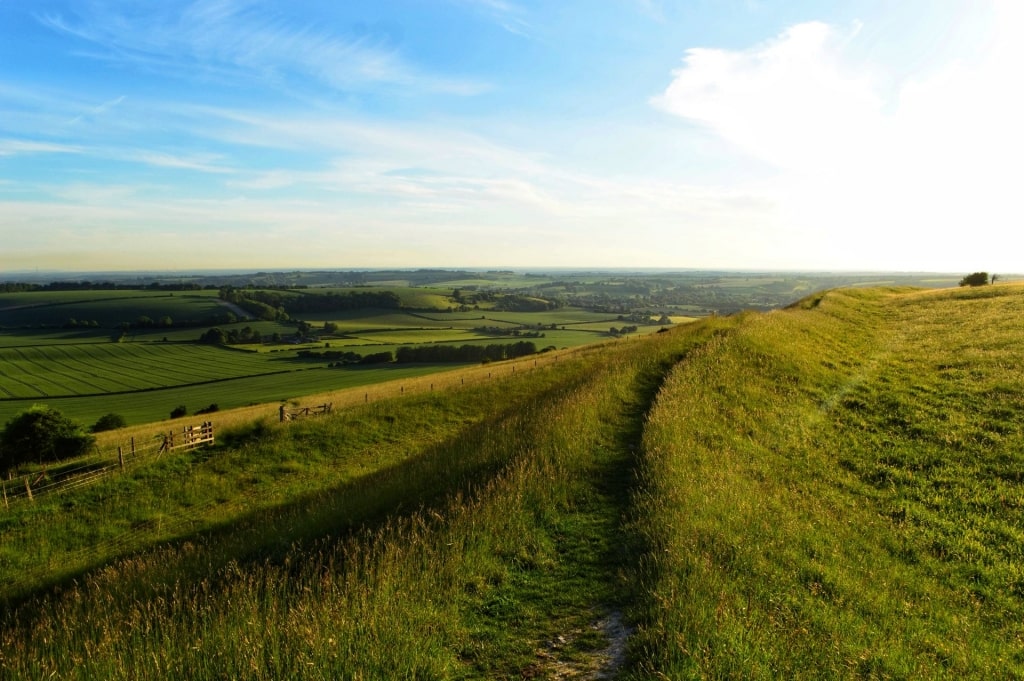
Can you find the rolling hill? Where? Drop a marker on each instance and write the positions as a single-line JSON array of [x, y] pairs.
[[833, 490]]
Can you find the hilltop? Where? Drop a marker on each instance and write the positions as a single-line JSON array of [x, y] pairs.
[[832, 490]]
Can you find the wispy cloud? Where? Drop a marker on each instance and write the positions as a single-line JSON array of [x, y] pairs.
[[97, 110], [205, 163], [225, 41], [509, 15], [11, 147]]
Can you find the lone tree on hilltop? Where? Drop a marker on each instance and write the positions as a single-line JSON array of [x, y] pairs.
[[41, 434], [975, 279]]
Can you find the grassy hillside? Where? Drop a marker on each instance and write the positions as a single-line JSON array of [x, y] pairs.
[[830, 491], [836, 492]]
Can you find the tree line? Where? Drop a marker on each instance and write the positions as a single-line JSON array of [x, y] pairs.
[[276, 305], [439, 353], [27, 287], [434, 353]]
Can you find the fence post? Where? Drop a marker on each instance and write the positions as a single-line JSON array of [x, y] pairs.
[[133, 446], [282, 413], [28, 489], [120, 457], [3, 486]]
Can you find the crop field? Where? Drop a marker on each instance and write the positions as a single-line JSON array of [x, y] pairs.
[[33, 337], [291, 386], [107, 308], [97, 368]]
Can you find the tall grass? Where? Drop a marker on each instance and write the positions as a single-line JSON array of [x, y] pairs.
[[490, 551], [836, 492]]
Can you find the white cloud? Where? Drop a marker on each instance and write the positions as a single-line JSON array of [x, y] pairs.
[[926, 179], [788, 101]]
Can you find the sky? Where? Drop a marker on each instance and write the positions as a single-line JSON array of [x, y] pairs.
[[742, 134]]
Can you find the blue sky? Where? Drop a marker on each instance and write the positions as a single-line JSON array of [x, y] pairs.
[[789, 134]]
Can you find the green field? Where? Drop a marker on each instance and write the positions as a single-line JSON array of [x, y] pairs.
[[97, 369]]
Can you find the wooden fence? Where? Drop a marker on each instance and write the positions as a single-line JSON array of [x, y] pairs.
[[293, 414], [190, 438], [62, 478]]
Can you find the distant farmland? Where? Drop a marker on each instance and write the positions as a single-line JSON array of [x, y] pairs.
[[134, 352]]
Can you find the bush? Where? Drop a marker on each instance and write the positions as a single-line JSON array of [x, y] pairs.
[[109, 422], [42, 434], [208, 410], [975, 279], [179, 411]]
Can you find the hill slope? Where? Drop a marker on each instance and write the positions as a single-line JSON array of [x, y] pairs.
[[828, 491], [836, 492]]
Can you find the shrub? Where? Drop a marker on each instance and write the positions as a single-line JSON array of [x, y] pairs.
[[208, 410], [41, 434], [975, 279], [109, 422], [179, 411]]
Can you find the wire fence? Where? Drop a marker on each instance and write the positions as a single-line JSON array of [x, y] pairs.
[[63, 478]]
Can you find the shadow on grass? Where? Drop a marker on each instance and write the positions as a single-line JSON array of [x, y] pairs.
[[425, 480]]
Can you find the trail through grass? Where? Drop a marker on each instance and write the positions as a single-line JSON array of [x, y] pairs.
[[470, 534]]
